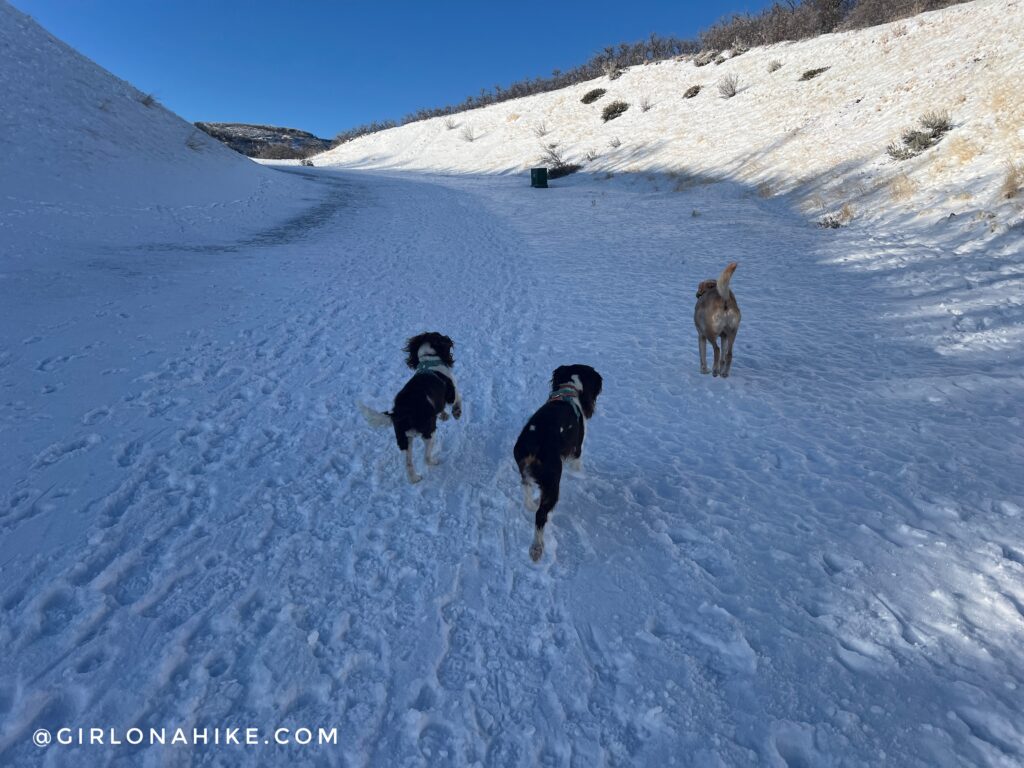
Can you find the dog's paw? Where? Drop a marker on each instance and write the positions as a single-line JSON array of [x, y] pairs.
[[415, 478], [443, 415], [705, 369], [714, 373], [433, 461], [724, 374], [575, 465], [457, 411], [536, 550]]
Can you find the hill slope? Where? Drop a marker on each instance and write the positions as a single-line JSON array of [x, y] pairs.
[[86, 156], [822, 139]]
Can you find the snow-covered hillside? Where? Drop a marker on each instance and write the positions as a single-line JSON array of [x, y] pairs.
[[824, 139], [817, 562], [87, 157]]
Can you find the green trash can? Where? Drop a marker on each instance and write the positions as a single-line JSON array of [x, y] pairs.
[[539, 178]]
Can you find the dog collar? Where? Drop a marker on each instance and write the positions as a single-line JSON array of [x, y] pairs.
[[567, 393], [428, 363]]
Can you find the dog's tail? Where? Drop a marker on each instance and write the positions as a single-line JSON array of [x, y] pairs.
[[723, 281], [375, 418]]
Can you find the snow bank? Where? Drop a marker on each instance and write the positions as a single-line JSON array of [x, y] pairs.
[[86, 156]]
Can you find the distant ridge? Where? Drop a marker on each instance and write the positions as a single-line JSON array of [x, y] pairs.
[[267, 142]]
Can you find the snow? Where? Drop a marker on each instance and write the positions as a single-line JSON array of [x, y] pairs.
[[816, 562]]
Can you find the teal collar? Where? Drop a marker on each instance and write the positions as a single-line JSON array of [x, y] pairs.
[[567, 393], [428, 363]]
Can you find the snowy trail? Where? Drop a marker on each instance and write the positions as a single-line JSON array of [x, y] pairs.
[[818, 561]]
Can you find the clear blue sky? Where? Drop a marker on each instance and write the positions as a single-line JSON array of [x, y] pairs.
[[325, 66]]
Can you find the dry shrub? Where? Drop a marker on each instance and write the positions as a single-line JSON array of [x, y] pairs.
[[764, 189], [774, 65], [914, 141], [692, 91], [614, 110], [615, 142], [591, 96], [450, 124], [558, 167], [705, 58], [728, 86], [837, 220], [810, 74], [468, 134], [540, 130], [1013, 182]]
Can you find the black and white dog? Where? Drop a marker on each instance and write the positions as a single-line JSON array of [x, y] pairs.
[[554, 433], [421, 402]]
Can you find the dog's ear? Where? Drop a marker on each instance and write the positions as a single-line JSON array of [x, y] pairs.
[[412, 349], [443, 346], [592, 383], [560, 375]]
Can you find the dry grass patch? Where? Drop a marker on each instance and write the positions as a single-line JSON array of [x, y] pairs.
[[1013, 182], [837, 220], [902, 187], [962, 149]]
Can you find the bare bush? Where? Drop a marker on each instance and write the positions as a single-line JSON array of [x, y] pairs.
[[913, 141], [705, 58], [148, 100], [615, 142], [450, 124], [540, 129], [692, 91], [728, 86], [810, 74], [614, 110], [937, 123], [869, 13], [591, 96], [468, 134], [1013, 182], [836, 220], [645, 103], [774, 65], [591, 155], [195, 141], [802, 19], [897, 151], [611, 69], [556, 162], [306, 162]]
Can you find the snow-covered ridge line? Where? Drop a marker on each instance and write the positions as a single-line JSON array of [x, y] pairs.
[[824, 138]]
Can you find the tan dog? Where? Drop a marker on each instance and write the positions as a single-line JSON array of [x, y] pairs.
[[717, 316]]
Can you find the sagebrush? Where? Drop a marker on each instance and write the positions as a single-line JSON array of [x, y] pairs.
[[914, 141], [728, 86], [613, 110]]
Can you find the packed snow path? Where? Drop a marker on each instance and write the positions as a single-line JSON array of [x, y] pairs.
[[817, 561]]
